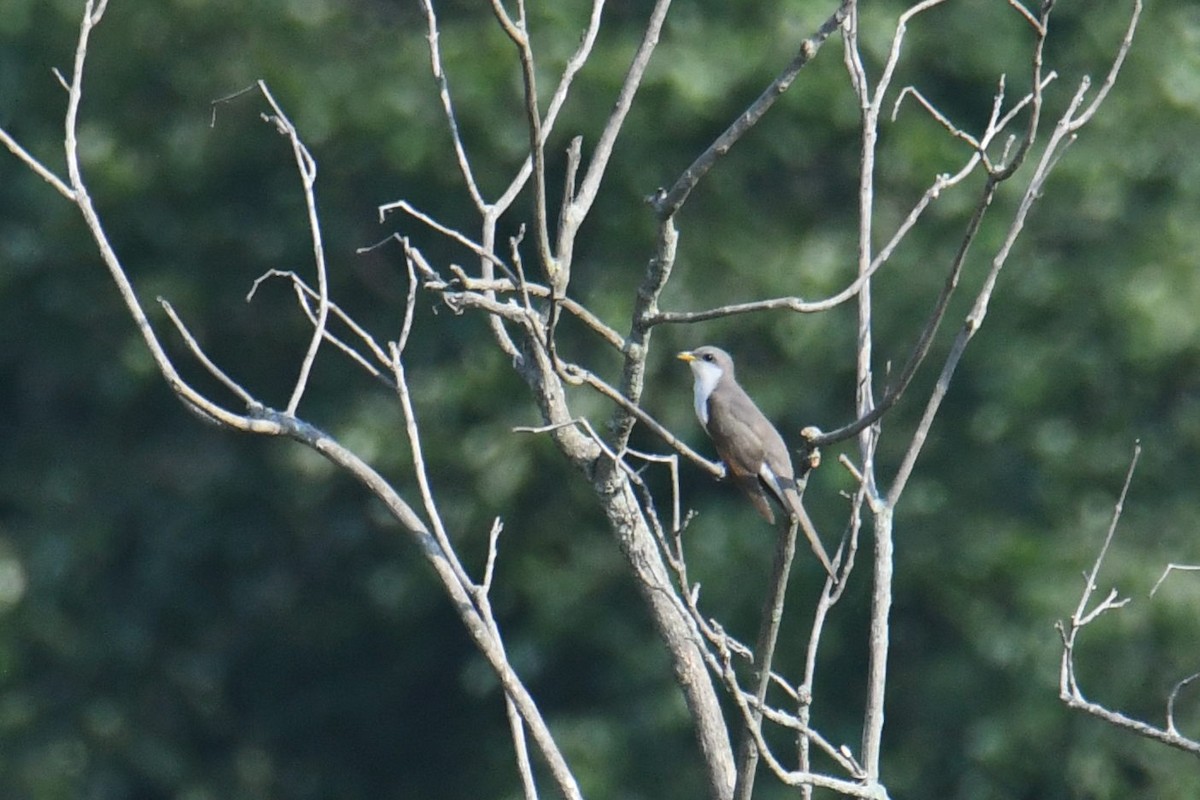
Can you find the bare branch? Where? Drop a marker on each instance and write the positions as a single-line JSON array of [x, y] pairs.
[[305, 294], [816, 439], [889, 68], [1171, 568], [39, 169], [1081, 617], [517, 729], [667, 203], [951, 128], [1058, 139], [616, 119], [410, 306], [443, 84], [1027, 14], [412, 429], [764, 653], [1068, 686], [1110, 79], [483, 252], [464, 282], [203, 358], [525, 328], [860, 787], [1119, 720], [574, 64], [465, 602], [577, 374], [489, 569], [921, 350], [307, 168], [262, 420], [537, 147], [1175, 690]]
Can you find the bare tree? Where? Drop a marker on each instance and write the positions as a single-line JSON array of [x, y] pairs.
[[522, 287], [1068, 684]]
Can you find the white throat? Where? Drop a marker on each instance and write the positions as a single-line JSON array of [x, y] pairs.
[[707, 375]]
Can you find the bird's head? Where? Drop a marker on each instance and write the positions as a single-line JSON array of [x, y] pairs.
[[708, 363]]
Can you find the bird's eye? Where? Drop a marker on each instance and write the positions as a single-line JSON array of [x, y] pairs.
[[708, 357]]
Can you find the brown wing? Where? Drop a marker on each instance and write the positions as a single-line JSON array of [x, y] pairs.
[[753, 489], [741, 434], [736, 427]]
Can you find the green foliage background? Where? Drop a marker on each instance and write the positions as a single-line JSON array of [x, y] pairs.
[[185, 613]]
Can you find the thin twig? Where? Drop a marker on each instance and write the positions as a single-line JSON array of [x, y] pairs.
[[39, 169], [489, 568], [463, 282], [477, 249], [307, 168], [1171, 568], [443, 84], [305, 293], [667, 203], [413, 431], [764, 654], [1175, 690], [228, 382], [516, 728], [578, 375], [410, 304], [1026, 13], [1068, 685], [590, 185], [1080, 618]]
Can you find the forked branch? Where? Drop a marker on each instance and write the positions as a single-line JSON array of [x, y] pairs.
[[1085, 614]]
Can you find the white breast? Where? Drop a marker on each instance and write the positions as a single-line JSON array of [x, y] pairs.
[[707, 375]]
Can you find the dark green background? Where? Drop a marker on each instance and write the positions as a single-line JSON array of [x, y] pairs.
[[186, 613]]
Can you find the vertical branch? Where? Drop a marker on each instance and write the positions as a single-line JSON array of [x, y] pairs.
[[616, 120], [633, 374], [518, 31], [831, 593], [443, 84], [869, 111], [881, 584], [524, 767], [764, 655], [575, 63], [308, 176], [516, 725], [878, 642]]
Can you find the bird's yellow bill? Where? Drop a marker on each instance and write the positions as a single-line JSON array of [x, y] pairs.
[[686, 355]]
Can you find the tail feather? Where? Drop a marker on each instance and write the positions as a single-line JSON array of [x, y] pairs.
[[785, 492]]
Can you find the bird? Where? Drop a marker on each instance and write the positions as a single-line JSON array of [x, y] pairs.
[[754, 454]]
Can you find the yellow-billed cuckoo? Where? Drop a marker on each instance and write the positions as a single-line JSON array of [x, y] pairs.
[[755, 456]]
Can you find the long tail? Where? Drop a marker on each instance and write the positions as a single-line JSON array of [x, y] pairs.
[[788, 495], [810, 531]]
